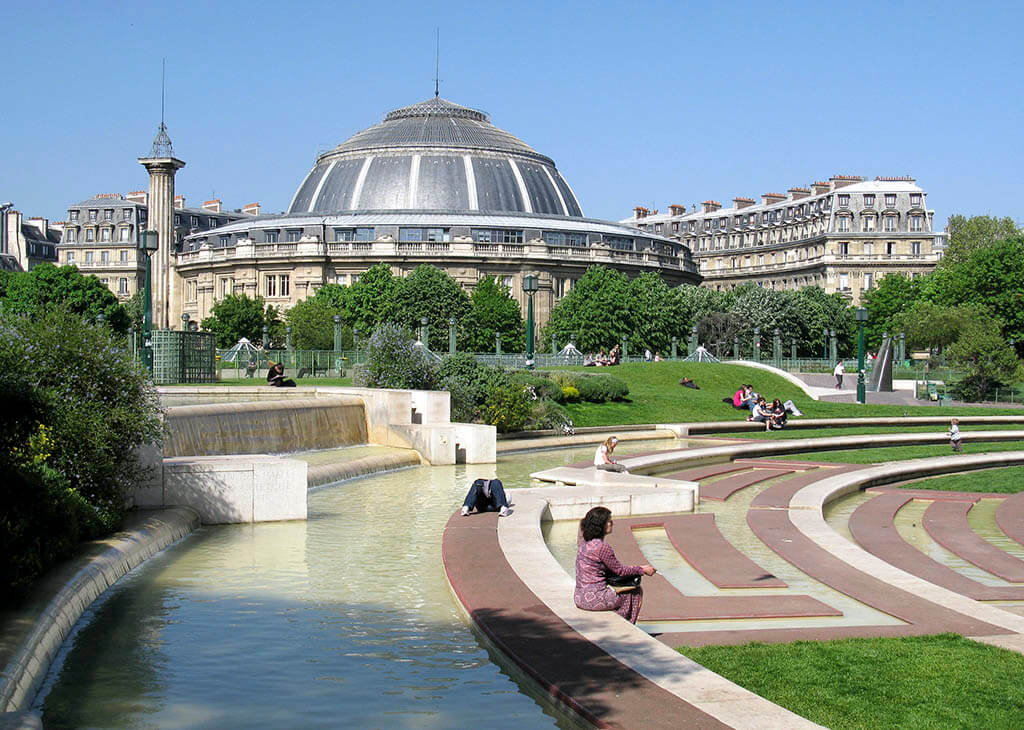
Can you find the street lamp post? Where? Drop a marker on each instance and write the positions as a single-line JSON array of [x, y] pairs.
[[424, 331], [693, 341], [834, 345], [824, 345], [497, 343], [451, 335], [266, 337], [337, 333], [862, 316], [736, 347], [757, 344], [792, 351], [777, 347], [530, 286], [675, 347], [184, 321], [147, 245]]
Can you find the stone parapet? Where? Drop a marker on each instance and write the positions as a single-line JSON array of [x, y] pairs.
[[31, 637]]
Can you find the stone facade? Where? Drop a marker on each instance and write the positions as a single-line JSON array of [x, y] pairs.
[[301, 254], [26, 243], [843, 235], [101, 236]]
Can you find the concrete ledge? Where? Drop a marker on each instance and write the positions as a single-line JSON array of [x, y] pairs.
[[593, 487], [538, 440], [232, 489], [322, 474], [31, 636], [738, 426]]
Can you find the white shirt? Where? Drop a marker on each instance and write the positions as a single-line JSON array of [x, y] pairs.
[[839, 369], [601, 455]]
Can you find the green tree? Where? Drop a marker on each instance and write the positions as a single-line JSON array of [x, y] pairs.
[[768, 309], [236, 316], [370, 301], [992, 277], [820, 312], [930, 326], [968, 235], [697, 302], [492, 309], [656, 314], [595, 311], [985, 358], [312, 323], [432, 293], [47, 286], [894, 295]]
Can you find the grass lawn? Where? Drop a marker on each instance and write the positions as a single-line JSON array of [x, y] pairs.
[[655, 396], [792, 433], [942, 681], [1003, 480]]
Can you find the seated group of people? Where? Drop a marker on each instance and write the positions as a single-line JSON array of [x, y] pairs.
[[773, 415], [602, 360]]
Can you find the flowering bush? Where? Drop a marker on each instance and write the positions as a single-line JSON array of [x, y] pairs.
[[508, 408], [394, 361], [75, 407], [570, 394]]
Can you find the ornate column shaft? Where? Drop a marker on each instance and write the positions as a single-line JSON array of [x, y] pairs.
[[166, 294]]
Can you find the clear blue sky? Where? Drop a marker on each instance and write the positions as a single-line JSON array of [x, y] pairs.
[[637, 103]]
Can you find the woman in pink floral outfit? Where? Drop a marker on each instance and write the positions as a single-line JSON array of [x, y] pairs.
[[594, 561]]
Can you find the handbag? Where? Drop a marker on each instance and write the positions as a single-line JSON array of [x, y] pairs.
[[622, 583]]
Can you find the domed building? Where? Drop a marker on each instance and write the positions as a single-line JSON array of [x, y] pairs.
[[432, 183]]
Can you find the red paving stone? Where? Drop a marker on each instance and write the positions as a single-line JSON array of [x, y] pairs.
[[947, 523], [697, 538], [696, 474], [872, 526], [778, 495], [1010, 517], [725, 487], [777, 531], [664, 602], [567, 665]]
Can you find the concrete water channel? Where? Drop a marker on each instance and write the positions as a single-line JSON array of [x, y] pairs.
[[346, 619]]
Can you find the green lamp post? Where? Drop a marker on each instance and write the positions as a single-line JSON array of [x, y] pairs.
[[862, 316], [530, 287], [147, 245]]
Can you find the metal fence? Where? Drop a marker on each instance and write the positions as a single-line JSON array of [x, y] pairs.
[[184, 357]]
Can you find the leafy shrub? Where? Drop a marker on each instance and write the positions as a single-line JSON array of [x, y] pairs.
[[393, 361], [98, 405], [564, 378], [75, 406], [547, 414], [541, 387], [508, 408], [601, 388], [570, 394]]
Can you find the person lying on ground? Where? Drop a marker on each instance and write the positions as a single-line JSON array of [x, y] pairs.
[[486, 495], [687, 383]]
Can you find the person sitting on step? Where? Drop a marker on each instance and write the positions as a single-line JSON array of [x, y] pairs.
[[486, 495]]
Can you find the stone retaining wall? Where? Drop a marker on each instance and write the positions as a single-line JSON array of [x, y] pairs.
[[31, 637]]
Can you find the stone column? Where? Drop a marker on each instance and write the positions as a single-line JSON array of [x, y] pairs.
[[166, 290]]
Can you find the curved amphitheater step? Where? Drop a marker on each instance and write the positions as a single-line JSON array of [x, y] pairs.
[[873, 527]]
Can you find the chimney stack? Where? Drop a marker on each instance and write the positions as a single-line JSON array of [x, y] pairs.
[[641, 212], [179, 202], [797, 193], [772, 198], [676, 210], [841, 181], [741, 203], [252, 209], [820, 188], [212, 205], [710, 206], [42, 224]]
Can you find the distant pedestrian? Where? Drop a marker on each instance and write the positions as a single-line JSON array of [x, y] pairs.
[[955, 440], [839, 371]]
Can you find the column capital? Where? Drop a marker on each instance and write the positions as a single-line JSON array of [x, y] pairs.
[[156, 164]]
